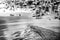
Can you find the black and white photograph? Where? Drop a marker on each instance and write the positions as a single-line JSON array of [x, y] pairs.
[[29, 19]]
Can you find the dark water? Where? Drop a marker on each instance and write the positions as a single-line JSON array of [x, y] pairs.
[[2, 38], [2, 22], [2, 27], [45, 33]]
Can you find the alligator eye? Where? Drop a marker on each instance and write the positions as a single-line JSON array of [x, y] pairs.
[[11, 15], [45, 1], [48, 2]]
